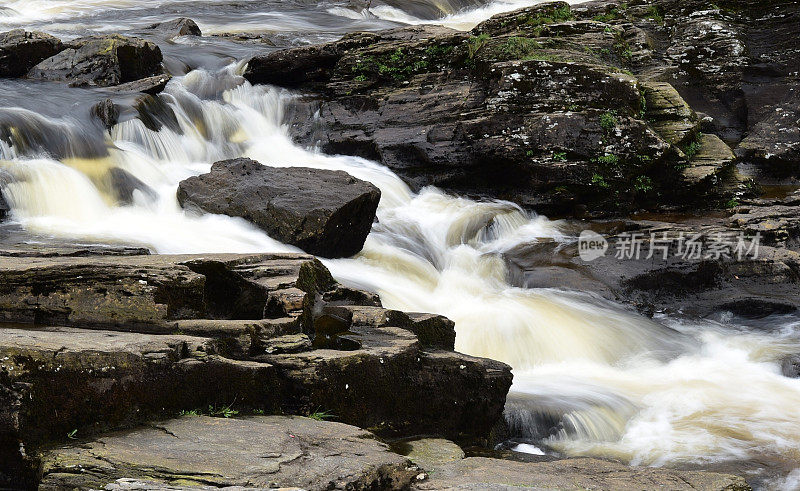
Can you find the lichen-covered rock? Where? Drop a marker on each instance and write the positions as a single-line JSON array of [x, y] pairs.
[[101, 61], [21, 50], [327, 213], [255, 452], [535, 106]]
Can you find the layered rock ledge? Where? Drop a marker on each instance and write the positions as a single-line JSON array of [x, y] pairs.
[[98, 343]]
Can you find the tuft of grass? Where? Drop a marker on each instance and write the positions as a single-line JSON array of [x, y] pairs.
[[655, 14], [610, 160], [517, 48], [691, 149], [475, 43], [218, 412], [608, 120], [224, 411], [321, 415], [559, 156], [599, 181], [72, 435]]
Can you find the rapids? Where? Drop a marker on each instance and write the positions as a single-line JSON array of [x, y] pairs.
[[590, 377]]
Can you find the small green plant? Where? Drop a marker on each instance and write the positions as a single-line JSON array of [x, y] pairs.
[[643, 184], [732, 203], [608, 120], [258, 411], [321, 415], [529, 153], [599, 181], [475, 43], [612, 14], [560, 156], [557, 15], [224, 411], [654, 13], [517, 48], [691, 149], [72, 435], [193, 412], [609, 160]]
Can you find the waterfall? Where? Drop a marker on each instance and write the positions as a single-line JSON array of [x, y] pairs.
[[591, 378]]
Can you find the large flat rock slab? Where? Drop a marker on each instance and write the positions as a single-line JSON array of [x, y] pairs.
[[480, 473], [56, 381], [149, 292], [259, 452]]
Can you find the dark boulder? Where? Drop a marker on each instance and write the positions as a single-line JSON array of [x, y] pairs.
[[327, 213], [178, 27], [21, 50], [101, 61]]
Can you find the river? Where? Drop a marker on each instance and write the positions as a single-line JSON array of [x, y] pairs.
[[590, 377]]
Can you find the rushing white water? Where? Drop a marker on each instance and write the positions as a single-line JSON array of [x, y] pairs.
[[462, 20], [591, 378]]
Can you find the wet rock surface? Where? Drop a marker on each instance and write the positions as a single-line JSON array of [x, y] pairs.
[[149, 336], [101, 60], [327, 213], [542, 106], [255, 452], [178, 27], [703, 271], [21, 50], [485, 473]]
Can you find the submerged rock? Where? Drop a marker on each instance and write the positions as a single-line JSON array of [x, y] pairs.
[[327, 213], [21, 50], [122, 185], [107, 113], [181, 26], [101, 61]]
